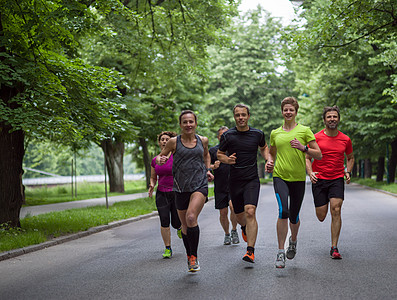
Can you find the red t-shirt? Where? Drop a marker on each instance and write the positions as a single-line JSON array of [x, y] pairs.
[[333, 149]]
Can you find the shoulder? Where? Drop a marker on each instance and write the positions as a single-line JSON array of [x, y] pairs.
[[319, 134], [231, 131], [276, 130], [203, 139], [343, 136], [256, 131]]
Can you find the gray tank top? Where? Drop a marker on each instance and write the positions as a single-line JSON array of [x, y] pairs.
[[188, 168]]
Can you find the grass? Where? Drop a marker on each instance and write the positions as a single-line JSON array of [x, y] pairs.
[[62, 193], [41, 228], [392, 187]]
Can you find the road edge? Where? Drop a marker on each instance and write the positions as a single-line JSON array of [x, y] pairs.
[[66, 238]]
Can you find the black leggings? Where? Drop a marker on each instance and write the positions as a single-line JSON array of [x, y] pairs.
[[295, 190], [165, 202]]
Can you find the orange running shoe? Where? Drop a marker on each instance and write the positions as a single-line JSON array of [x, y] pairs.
[[243, 234], [249, 257], [194, 264]]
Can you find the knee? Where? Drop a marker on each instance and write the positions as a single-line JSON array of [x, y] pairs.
[[191, 218], [335, 211], [250, 212]]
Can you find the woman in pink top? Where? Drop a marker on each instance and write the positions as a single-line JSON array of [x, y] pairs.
[[165, 197]]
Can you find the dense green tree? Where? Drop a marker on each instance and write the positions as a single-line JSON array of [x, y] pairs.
[[163, 56], [46, 91], [250, 71], [342, 55]]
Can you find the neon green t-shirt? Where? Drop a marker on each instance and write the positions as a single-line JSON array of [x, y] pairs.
[[290, 162]]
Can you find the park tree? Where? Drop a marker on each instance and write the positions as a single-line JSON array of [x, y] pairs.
[[342, 55], [46, 90], [161, 49], [250, 70]]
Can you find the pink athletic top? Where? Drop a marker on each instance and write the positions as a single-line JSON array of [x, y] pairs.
[[164, 173]]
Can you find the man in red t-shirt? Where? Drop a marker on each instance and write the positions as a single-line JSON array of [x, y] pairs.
[[327, 175]]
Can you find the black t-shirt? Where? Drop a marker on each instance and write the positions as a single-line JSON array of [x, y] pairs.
[[221, 174], [245, 144]]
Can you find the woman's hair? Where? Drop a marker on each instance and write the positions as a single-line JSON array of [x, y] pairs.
[[290, 100], [184, 112], [169, 133], [331, 108]]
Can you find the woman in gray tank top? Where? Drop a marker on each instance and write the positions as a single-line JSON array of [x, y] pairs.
[[191, 176]]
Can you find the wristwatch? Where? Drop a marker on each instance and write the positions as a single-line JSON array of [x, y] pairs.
[[350, 173], [306, 149]]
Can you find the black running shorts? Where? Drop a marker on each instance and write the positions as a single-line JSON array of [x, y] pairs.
[[221, 200], [324, 189], [183, 199], [243, 193]]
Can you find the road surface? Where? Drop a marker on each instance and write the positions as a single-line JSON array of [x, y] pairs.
[[126, 262]]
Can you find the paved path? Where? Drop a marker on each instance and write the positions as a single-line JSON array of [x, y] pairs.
[[125, 262], [42, 209]]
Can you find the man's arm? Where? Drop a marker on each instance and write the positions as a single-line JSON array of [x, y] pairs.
[[230, 160], [349, 166], [314, 150], [264, 151], [271, 156]]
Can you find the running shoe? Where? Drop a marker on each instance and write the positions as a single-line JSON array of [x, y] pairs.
[[235, 239], [167, 253], [243, 233], [291, 251], [179, 233], [194, 264], [335, 253], [227, 240], [280, 260], [249, 257], [188, 263]]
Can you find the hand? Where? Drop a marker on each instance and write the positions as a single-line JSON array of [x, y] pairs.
[[347, 175], [162, 160], [210, 176], [232, 159], [297, 145], [216, 164], [313, 177], [269, 167], [151, 188]]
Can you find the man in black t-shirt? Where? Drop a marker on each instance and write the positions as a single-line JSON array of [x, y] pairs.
[[243, 142], [221, 191]]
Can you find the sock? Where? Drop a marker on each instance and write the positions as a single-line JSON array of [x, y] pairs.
[[281, 251], [186, 244], [168, 247], [250, 249], [193, 234]]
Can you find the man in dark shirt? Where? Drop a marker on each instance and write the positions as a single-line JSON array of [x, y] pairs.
[[221, 191], [243, 142]]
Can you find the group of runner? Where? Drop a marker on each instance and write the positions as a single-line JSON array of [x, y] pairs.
[[293, 151]]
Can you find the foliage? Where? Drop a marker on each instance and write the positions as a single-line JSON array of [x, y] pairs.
[[60, 97], [343, 55], [250, 71]]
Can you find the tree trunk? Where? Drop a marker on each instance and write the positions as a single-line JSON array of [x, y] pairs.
[[393, 162], [11, 156], [367, 168], [380, 170], [146, 160], [114, 156], [354, 171]]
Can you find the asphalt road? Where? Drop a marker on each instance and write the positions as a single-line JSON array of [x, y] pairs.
[[126, 262]]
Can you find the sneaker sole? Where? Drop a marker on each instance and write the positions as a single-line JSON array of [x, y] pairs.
[[336, 257], [280, 267], [193, 270], [166, 257], [290, 255], [248, 259]]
